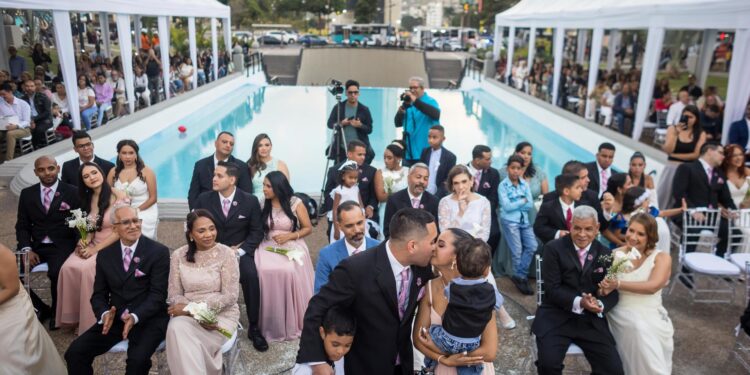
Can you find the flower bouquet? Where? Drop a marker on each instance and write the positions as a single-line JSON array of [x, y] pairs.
[[83, 223], [388, 180], [292, 254], [621, 262], [203, 314], [126, 189]]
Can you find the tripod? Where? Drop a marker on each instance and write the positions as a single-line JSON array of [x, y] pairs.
[[333, 151]]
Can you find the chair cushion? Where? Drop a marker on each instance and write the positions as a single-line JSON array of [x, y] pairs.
[[710, 264], [574, 349], [229, 344], [120, 347], [740, 259], [41, 267]]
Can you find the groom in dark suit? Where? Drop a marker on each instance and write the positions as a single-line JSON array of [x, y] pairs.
[[414, 196], [130, 293], [572, 269], [381, 287], [238, 225], [203, 171], [42, 228]]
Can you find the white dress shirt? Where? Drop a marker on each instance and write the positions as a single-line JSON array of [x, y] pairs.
[[434, 165], [216, 161], [396, 267], [240, 251], [565, 208], [19, 108], [417, 197]]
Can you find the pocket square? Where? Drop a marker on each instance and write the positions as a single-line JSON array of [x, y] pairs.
[[64, 206], [241, 217], [138, 273], [486, 185], [599, 270]]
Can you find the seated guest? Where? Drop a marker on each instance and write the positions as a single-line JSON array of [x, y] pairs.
[[41, 113], [138, 182], [118, 97], [738, 174], [738, 131], [60, 98], [439, 159], [18, 115], [352, 225], [86, 100], [203, 172], [285, 285], [661, 104], [675, 110], [337, 331], [638, 176], [356, 151], [624, 107], [392, 177], [685, 139], [555, 215], [201, 271], [84, 147], [636, 200], [712, 118], [141, 85], [42, 89], [413, 196], [27, 348], [104, 93], [129, 297], [486, 181], [600, 170], [356, 122], [692, 88], [261, 163], [463, 208], [42, 229], [76, 281], [236, 215]]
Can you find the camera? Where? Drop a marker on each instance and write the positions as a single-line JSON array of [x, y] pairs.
[[336, 88], [683, 121], [405, 99]]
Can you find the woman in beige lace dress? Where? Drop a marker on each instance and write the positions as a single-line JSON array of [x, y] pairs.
[[201, 271]]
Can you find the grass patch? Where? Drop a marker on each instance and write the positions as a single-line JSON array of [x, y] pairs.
[[721, 81]]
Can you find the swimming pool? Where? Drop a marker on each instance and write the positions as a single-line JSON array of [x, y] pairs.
[[295, 118]]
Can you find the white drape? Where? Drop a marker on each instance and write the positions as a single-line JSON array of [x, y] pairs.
[[104, 25], [137, 25], [193, 50], [126, 55], [227, 35], [164, 50], [4, 48], [66, 54], [511, 51], [583, 38], [215, 48], [532, 48], [557, 51], [705, 55], [614, 43], [738, 91], [648, 77], [498, 42], [596, 55]]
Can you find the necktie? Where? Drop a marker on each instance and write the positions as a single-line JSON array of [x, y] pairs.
[[225, 207], [582, 256], [415, 203], [356, 251], [604, 180], [403, 292], [47, 199], [477, 179], [126, 259], [569, 218], [709, 172]]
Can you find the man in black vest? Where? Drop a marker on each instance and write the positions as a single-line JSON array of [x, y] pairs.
[[84, 147], [203, 172]]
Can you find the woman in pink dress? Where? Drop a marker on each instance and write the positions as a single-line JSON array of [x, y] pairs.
[[432, 307], [76, 281], [286, 286]]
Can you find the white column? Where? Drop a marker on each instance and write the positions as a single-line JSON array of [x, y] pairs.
[[511, 51], [498, 42], [227, 35], [648, 77], [104, 24], [583, 38], [3, 46], [705, 55], [557, 51], [193, 50], [214, 48], [126, 54], [614, 42], [532, 47], [738, 91], [66, 53], [164, 51], [137, 25], [596, 55]]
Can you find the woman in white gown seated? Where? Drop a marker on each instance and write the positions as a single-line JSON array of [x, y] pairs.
[[639, 323], [463, 208]]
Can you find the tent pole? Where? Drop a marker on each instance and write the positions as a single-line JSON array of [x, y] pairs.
[[104, 25], [511, 51], [214, 48], [596, 55], [66, 53], [193, 50], [650, 65], [738, 91], [3, 44], [614, 42], [532, 48], [126, 55], [559, 40], [706, 54], [497, 46], [164, 51]]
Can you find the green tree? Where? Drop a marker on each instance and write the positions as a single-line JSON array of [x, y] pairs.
[[364, 11], [492, 7], [409, 23], [322, 7]]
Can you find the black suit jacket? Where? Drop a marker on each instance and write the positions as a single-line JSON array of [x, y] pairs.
[[549, 220], [43, 107], [203, 175], [366, 186], [565, 279], [34, 223], [365, 284], [691, 183], [144, 295], [363, 114], [447, 161], [69, 173], [401, 199], [243, 224], [593, 177], [588, 198]]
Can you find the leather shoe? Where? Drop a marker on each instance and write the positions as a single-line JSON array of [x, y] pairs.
[[522, 285], [52, 325], [259, 342]]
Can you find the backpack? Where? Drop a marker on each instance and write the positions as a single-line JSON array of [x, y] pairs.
[[311, 205]]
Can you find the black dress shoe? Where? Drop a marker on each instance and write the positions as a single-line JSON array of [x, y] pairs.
[[52, 325], [522, 285], [259, 342]]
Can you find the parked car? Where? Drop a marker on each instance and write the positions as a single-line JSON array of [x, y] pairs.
[[445, 44], [312, 40], [269, 40], [285, 36]]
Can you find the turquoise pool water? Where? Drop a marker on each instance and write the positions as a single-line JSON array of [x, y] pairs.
[[295, 119]]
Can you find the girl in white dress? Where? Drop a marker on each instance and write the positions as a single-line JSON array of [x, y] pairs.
[[391, 178], [347, 190], [138, 182], [639, 323]]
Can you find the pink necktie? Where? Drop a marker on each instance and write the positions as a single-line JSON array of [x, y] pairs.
[[403, 292], [604, 180], [225, 207], [710, 174], [356, 251], [126, 259], [47, 199], [582, 256], [477, 179], [415, 203]]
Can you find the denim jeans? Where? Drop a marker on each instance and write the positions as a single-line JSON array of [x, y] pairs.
[[102, 109], [448, 345], [86, 116], [522, 244]]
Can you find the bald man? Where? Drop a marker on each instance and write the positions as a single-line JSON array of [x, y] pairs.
[[41, 228]]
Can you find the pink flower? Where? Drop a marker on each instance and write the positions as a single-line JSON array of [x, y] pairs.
[[64, 206], [720, 181], [421, 206], [137, 260], [57, 193], [234, 203], [486, 185], [590, 257]]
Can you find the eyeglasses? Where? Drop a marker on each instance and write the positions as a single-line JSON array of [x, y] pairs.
[[85, 145], [352, 92], [127, 222], [413, 87]]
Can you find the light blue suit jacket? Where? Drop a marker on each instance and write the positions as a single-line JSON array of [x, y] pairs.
[[330, 256]]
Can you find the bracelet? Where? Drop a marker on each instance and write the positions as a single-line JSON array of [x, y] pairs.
[[438, 360], [297, 235], [618, 284]]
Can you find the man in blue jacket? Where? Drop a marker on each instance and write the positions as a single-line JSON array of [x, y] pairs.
[[352, 223], [738, 131], [417, 114]]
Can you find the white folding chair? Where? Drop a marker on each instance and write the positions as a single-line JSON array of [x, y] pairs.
[[739, 239], [741, 350], [704, 265], [122, 347], [26, 272]]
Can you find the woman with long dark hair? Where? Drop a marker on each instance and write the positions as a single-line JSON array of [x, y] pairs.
[[286, 282], [738, 175], [86, 100], [76, 281], [201, 271], [261, 163], [685, 139], [138, 182]]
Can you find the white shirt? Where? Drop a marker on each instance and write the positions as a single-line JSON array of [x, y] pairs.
[[433, 167], [674, 113], [216, 163], [565, 208], [419, 197], [306, 368], [706, 167], [608, 173], [577, 309], [19, 108], [351, 249], [240, 251], [396, 267]]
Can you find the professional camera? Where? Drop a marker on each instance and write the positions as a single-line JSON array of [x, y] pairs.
[[336, 88], [405, 99]]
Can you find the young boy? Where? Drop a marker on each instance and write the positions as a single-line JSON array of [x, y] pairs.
[[439, 160], [471, 301], [337, 333], [555, 216]]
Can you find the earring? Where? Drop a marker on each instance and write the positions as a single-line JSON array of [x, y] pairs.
[[453, 265], [192, 239]]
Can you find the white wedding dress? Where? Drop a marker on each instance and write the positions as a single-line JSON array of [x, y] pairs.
[[642, 328], [137, 190]]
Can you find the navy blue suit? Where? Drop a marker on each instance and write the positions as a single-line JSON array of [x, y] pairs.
[[330, 256], [738, 133]]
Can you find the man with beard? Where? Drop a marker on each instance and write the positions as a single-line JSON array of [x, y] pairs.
[[413, 196], [351, 221]]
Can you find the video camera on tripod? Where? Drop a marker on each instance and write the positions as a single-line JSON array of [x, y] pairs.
[[336, 88]]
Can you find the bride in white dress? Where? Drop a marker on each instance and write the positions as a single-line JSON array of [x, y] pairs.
[[138, 182], [391, 178], [639, 322]]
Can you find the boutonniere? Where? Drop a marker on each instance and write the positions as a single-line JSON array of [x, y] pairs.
[[57, 194], [421, 206], [720, 181], [486, 185], [139, 273], [234, 203], [590, 257], [419, 281], [137, 260]]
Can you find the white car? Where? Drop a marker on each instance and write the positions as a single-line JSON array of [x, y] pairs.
[[284, 36]]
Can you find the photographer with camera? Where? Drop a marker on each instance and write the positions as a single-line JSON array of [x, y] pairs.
[[685, 139], [356, 122], [417, 114]]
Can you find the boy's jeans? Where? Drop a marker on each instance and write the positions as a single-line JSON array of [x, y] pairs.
[[448, 345], [522, 244]]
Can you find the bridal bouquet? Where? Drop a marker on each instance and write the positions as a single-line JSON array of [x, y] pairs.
[[388, 180], [83, 223], [293, 254], [205, 315], [621, 262], [126, 189]]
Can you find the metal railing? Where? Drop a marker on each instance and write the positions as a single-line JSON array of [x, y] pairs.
[[473, 68], [254, 62]]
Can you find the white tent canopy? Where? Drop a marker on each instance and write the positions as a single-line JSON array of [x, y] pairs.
[[175, 8], [616, 15]]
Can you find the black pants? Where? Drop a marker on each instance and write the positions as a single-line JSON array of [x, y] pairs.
[[38, 137], [598, 347], [250, 288], [494, 238], [143, 340], [153, 86], [54, 256]]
